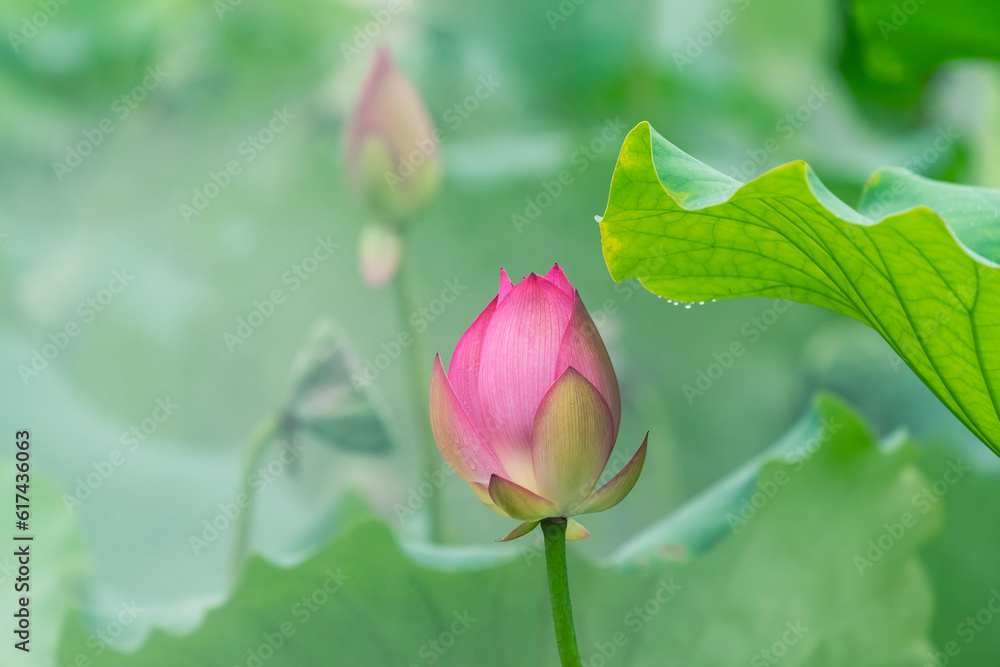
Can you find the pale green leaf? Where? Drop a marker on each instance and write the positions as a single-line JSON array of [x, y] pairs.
[[364, 599]]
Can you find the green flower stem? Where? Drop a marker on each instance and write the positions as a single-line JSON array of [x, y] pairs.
[[418, 361], [263, 435], [562, 609]]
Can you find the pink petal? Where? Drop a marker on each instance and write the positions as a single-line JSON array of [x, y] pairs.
[[517, 367], [505, 285], [369, 114], [583, 348], [557, 277], [575, 531], [522, 530], [518, 502], [463, 372], [615, 491], [460, 444], [390, 107], [571, 440]]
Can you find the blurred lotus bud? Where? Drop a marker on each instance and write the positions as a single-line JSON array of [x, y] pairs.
[[391, 152], [379, 250], [528, 413], [330, 397]]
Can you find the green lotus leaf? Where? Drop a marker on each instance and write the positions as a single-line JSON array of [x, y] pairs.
[[824, 572], [917, 262]]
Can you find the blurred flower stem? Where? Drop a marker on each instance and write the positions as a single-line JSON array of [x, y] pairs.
[[554, 530], [262, 436], [403, 286]]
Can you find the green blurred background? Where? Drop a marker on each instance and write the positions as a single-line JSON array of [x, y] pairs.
[[728, 81]]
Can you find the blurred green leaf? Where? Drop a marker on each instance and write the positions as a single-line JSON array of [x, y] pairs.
[[962, 562], [893, 46], [330, 399], [691, 233], [365, 600], [720, 510]]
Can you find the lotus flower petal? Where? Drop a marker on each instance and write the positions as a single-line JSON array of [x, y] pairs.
[[575, 531], [571, 440], [457, 438], [389, 121], [521, 530], [518, 502], [583, 349], [615, 491], [517, 367], [464, 369], [557, 277], [530, 409], [505, 285]]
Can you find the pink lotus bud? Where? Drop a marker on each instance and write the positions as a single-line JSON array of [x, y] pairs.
[[391, 153], [528, 413]]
